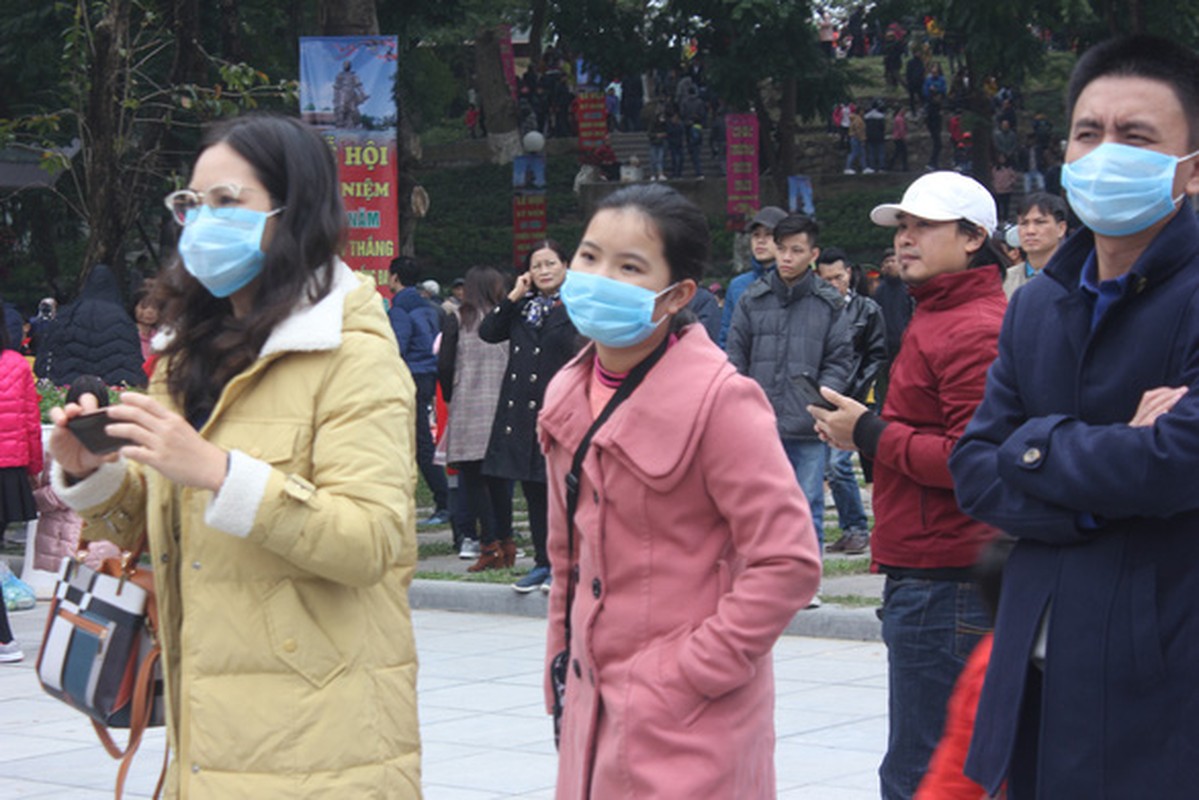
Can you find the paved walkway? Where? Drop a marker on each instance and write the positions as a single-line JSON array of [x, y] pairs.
[[483, 728]]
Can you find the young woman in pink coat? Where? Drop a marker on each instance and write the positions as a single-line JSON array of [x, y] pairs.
[[692, 545]]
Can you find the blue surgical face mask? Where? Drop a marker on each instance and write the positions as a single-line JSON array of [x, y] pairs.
[[1119, 190], [223, 250], [612, 313]]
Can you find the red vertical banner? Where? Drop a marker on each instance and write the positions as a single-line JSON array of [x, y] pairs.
[[347, 92], [366, 167], [741, 131], [508, 58], [593, 124], [528, 224]]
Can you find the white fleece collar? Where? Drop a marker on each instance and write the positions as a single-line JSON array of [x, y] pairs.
[[308, 329], [315, 327]]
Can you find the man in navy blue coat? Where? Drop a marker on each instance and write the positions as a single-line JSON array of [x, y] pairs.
[[1086, 449]]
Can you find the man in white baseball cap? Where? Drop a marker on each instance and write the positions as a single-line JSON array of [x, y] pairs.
[[941, 197], [932, 615]]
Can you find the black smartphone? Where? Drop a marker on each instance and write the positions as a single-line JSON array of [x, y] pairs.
[[809, 392], [89, 430]]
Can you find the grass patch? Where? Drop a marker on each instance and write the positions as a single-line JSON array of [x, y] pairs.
[[840, 567], [434, 549], [851, 600], [509, 575]]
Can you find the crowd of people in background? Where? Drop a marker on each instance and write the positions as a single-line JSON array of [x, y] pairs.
[[990, 380]]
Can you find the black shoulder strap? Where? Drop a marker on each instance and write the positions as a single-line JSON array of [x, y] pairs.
[[631, 382]]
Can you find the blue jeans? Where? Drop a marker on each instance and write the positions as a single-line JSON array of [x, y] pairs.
[[857, 154], [843, 483], [807, 459], [657, 160], [930, 628]]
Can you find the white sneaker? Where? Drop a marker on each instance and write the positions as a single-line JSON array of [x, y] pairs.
[[11, 652], [470, 549], [815, 602], [849, 171], [868, 171]]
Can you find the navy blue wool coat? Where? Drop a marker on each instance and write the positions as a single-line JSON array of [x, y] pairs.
[[1107, 522]]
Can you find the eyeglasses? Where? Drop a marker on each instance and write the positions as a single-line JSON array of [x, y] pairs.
[[222, 198]]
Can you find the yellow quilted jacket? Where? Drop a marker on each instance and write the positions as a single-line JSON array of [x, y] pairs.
[[289, 655]]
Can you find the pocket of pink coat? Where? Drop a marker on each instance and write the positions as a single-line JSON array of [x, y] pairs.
[[657, 669]]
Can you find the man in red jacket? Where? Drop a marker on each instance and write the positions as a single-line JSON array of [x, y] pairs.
[[932, 615]]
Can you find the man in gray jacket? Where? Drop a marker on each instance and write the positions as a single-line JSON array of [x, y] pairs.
[[789, 322]]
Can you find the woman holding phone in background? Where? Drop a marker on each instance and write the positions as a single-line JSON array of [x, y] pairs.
[[542, 339]]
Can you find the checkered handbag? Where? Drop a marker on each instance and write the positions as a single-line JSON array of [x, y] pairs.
[[100, 653]]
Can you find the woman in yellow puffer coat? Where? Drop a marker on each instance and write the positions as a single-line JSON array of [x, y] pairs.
[[272, 467]]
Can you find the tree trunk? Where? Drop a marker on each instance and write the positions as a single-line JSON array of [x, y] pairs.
[[499, 110], [348, 18], [105, 190], [536, 31], [767, 153], [230, 26], [786, 135]]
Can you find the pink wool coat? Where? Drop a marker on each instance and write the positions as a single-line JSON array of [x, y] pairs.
[[694, 549]]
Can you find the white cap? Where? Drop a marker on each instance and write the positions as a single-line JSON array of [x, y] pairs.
[[431, 287], [941, 197], [1012, 236]]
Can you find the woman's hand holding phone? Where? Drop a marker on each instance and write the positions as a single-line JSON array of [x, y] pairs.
[[524, 283], [75, 458]]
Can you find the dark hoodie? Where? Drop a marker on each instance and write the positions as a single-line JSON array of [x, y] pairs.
[[93, 336]]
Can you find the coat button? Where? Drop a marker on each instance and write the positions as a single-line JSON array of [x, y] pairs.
[[533, 378], [289, 645], [578, 670], [1031, 456], [536, 351], [511, 404], [597, 587], [195, 769], [532, 404], [256, 452], [195, 565], [512, 376], [516, 348], [507, 429], [595, 497]]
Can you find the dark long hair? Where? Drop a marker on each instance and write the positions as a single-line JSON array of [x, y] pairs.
[[210, 346], [483, 291]]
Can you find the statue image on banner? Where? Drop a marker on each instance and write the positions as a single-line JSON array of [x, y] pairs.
[[348, 95]]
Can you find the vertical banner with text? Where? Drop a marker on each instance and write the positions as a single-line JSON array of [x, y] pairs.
[[528, 225], [508, 58], [592, 119], [741, 131], [347, 90]]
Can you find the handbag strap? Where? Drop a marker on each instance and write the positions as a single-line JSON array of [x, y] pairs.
[[144, 684], [631, 382]]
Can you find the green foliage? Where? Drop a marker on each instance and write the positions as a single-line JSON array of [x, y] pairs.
[[430, 87], [845, 221], [470, 216]]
